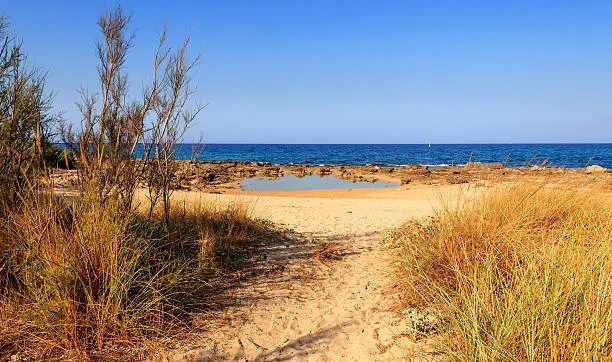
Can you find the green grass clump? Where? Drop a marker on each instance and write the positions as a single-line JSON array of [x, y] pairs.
[[521, 273]]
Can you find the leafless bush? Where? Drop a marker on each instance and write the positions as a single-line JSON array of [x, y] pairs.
[[116, 130], [172, 118]]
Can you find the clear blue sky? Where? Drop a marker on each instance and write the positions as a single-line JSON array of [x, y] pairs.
[[356, 71]]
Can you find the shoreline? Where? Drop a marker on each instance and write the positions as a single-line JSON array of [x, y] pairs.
[[225, 176], [375, 164]]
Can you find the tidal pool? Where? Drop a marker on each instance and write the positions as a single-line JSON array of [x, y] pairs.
[[313, 182]]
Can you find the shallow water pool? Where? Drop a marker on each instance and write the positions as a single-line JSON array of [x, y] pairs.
[[312, 182]]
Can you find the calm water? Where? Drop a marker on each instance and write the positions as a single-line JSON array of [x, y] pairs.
[[312, 182], [565, 155]]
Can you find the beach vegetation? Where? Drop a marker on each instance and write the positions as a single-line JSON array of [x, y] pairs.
[[103, 270], [26, 119], [518, 273]]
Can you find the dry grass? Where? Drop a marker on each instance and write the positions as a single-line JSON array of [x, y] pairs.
[[521, 273], [77, 277]]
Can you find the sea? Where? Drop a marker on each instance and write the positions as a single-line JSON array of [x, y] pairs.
[[512, 155]]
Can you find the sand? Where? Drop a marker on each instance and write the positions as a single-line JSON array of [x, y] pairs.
[[319, 310]]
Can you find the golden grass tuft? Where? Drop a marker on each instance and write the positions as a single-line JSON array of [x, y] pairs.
[[77, 277], [521, 273]]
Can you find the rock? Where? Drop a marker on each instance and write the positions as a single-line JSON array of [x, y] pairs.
[[417, 168], [480, 165], [208, 177], [324, 171], [406, 181], [246, 172], [344, 174], [423, 321], [596, 169], [300, 171], [272, 171]]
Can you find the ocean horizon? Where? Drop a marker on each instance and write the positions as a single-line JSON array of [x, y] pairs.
[[571, 155]]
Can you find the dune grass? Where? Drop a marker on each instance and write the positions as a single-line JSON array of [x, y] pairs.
[[77, 277], [519, 274]]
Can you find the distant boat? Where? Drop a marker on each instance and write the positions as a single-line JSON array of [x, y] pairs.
[[428, 144]]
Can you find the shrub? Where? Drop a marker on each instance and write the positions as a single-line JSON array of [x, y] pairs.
[[26, 119]]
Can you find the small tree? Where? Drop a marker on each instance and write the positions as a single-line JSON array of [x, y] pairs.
[[26, 119], [115, 130], [110, 128], [172, 117]]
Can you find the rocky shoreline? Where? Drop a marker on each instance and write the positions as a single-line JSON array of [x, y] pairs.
[[221, 176]]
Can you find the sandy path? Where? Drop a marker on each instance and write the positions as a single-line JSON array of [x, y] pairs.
[[314, 311]]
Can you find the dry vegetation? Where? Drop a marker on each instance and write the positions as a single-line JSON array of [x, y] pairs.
[[521, 273], [94, 274], [327, 252], [78, 277]]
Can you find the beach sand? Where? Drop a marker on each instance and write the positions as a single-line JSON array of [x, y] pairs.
[[319, 310], [290, 302]]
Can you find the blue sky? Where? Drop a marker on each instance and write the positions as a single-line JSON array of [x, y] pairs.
[[357, 71]]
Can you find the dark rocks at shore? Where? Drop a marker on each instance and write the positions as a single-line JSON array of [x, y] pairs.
[[324, 171], [371, 169], [218, 175]]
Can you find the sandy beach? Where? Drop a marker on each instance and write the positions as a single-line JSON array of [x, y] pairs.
[[320, 310], [341, 310], [344, 308]]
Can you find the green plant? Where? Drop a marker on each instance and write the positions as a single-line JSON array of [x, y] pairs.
[[26, 119]]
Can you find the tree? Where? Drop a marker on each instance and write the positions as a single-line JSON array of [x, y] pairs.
[[172, 117], [26, 120], [115, 130]]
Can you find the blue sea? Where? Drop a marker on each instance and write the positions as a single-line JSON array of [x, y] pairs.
[[512, 155]]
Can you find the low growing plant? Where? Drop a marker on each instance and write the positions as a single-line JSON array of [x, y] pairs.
[[521, 273]]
